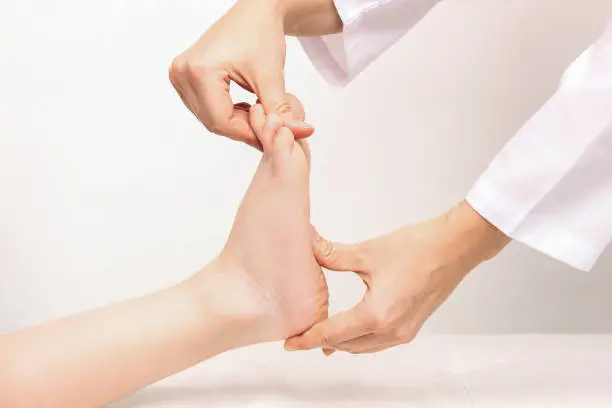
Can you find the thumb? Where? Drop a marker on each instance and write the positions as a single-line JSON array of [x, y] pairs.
[[272, 95], [342, 327], [337, 257]]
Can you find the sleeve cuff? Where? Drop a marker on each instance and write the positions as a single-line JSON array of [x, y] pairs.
[[557, 243], [370, 28]]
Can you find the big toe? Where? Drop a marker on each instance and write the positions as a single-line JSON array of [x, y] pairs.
[[287, 157], [296, 107]]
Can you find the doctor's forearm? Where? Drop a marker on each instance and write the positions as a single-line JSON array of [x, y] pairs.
[[310, 17]]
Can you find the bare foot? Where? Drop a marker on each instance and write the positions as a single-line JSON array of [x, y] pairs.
[[270, 246]]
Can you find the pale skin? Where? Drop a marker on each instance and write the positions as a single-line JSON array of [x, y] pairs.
[[264, 286], [232, 50], [408, 273], [278, 290]]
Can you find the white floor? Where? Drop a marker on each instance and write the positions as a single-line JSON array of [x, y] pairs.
[[443, 371]]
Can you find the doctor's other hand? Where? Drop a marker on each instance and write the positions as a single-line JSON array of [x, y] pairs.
[[408, 274], [246, 46]]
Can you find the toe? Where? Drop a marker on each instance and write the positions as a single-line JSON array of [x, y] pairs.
[[296, 107], [283, 143], [304, 145]]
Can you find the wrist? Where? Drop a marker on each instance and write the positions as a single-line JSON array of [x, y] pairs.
[[473, 237], [308, 17]]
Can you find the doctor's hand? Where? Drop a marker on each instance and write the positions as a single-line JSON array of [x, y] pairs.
[[408, 275], [246, 46]]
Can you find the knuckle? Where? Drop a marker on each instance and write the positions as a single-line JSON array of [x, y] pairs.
[[177, 69], [320, 337], [182, 67]]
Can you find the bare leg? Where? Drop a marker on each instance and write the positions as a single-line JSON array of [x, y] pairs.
[[265, 286]]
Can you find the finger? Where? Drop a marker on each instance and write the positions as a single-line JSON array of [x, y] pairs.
[[358, 345], [296, 124], [215, 109], [186, 97], [373, 343], [254, 142], [384, 345], [364, 344], [176, 73], [338, 257], [378, 349], [372, 350], [257, 119], [270, 90], [270, 128], [337, 329], [306, 149]]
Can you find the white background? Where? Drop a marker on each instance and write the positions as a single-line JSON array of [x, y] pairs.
[[110, 188]]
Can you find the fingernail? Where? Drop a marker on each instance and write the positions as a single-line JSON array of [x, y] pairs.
[[257, 108]]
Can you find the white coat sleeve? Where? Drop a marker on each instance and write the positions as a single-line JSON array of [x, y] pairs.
[[370, 28], [551, 186]]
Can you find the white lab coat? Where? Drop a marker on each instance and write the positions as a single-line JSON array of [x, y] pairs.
[[551, 186]]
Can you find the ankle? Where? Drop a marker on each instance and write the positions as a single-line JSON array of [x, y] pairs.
[[227, 296]]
